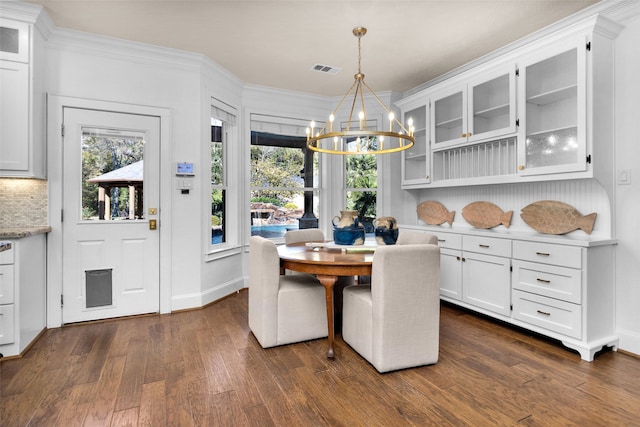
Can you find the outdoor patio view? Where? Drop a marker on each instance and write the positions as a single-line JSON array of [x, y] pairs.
[[112, 176], [279, 184]]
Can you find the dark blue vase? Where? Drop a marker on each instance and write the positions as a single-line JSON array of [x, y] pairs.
[[386, 236]]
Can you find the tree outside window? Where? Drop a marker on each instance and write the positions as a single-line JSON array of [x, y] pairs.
[[361, 185], [218, 187]]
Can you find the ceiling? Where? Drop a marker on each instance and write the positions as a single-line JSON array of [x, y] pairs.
[[276, 43]]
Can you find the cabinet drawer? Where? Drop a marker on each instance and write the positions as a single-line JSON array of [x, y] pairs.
[[487, 245], [6, 256], [450, 241], [6, 284], [7, 324], [548, 313], [547, 280], [548, 253]]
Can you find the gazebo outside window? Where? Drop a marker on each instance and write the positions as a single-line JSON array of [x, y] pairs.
[[130, 177]]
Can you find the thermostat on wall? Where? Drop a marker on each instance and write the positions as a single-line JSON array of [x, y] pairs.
[[184, 169]]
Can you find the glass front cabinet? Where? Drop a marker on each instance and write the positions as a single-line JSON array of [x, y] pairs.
[[544, 112], [481, 108], [552, 102], [416, 161]]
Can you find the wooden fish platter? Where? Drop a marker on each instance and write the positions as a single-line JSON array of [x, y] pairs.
[[554, 217], [486, 215], [434, 213]]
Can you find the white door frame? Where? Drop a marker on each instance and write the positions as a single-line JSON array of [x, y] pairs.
[[55, 106]]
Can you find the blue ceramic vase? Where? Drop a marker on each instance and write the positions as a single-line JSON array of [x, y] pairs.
[[350, 235]]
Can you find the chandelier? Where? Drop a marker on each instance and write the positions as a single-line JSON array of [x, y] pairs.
[[354, 136]]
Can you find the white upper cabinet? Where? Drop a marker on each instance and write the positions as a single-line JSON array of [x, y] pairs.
[[481, 108], [416, 160], [22, 140], [492, 104], [14, 40], [552, 94], [543, 111], [448, 116]]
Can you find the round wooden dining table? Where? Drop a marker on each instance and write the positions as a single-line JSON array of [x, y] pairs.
[[327, 263]]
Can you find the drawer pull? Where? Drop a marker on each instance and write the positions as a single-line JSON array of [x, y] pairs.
[[484, 246], [544, 312], [442, 240], [543, 280], [542, 253]]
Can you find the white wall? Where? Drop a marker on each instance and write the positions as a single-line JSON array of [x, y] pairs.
[[627, 197], [96, 68]]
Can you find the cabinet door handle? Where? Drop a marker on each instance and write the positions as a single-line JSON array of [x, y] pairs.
[[544, 312], [458, 258], [543, 280], [542, 253], [464, 135], [484, 246]]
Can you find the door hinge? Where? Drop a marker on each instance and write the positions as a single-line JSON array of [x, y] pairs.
[[517, 122], [61, 215], [517, 71], [589, 158], [62, 130], [61, 300], [511, 307], [511, 268], [589, 46]]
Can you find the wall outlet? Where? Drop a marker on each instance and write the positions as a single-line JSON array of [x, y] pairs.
[[624, 176]]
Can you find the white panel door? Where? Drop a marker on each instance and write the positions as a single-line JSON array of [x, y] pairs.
[[110, 203]]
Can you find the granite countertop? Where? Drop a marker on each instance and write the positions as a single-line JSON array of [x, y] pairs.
[[19, 232]]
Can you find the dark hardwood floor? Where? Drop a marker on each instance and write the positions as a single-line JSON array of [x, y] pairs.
[[205, 368]]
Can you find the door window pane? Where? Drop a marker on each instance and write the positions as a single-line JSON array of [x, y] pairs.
[[112, 174]]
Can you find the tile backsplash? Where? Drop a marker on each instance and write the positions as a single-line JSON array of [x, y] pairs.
[[23, 202]]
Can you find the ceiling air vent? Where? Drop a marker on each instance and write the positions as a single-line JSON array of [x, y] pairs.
[[326, 69]]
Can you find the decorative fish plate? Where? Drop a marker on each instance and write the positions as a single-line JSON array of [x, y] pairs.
[[553, 217], [486, 215], [434, 213]]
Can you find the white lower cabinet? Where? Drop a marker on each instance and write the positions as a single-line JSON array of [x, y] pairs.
[[486, 282], [561, 290], [450, 265], [22, 293], [566, 292], [476, 271]]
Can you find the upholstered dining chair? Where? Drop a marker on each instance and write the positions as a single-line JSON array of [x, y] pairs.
[[411, 237], [283, 309], [317, 235], [394, 323], [304, 235]]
